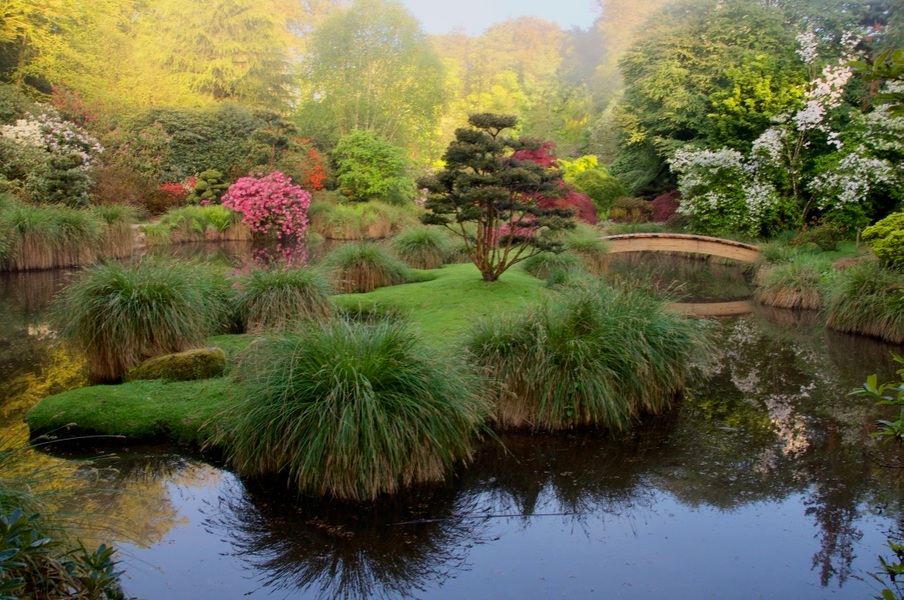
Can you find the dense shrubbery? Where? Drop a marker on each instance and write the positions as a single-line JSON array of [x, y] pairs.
[[631, 210], [371, 168], [350, 410], [48, 159], [270, 205], [886, 238], [824, 235], [201, 139], [602, 189]]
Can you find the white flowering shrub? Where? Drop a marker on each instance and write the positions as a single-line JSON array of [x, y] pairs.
[[850, 181], [55, 136], [802, 167], [48, 159], [721, 192]]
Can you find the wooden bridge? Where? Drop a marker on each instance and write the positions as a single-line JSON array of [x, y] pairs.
[[682, 242]]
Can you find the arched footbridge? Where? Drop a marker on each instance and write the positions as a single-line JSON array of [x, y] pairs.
[[682, 242]]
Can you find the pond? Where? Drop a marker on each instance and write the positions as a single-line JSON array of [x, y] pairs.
[[763, 482]]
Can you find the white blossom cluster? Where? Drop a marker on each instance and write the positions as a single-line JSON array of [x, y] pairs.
[[768, 148], [825, 93], [851, 181], [884, 133], [26, 132], [698, 166], [760, 197], [829, 89], [722, 182], [56, 136], [808, 50]]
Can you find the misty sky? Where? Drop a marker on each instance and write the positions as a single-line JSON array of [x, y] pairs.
[[474, 16]]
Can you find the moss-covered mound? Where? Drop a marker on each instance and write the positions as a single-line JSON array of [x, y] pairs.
[[138, 411], [199, 363]]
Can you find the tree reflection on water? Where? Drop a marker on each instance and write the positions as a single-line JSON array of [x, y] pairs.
[[770, 425], [384, 549]]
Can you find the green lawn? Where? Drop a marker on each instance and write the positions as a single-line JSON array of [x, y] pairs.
[[442, 308]]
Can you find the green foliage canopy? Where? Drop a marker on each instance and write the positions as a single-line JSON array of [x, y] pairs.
[[710, 73], [371, 67], [369, 167]]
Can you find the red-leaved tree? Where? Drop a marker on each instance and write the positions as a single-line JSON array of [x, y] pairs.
[[568, 197]]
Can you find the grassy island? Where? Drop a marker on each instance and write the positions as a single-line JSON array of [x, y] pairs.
[[440, 308]]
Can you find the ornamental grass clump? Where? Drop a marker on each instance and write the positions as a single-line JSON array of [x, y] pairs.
[[198, 224], [47, 237], [121, 315], [350, 410], [869, 299], [795, 284], [593, 356], [118, 238], [364, 267], [282, 299], [422, 247], [585, 242], [552, 264]]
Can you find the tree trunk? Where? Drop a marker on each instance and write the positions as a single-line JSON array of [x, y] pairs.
[[489, 275]]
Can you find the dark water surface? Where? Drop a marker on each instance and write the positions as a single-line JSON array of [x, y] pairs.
[[762, 483]]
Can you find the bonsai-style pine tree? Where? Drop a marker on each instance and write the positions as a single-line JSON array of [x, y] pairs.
[[492, 200]]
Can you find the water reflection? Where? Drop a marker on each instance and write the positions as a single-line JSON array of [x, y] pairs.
[[767, 461], [391, 548], [681, 278]]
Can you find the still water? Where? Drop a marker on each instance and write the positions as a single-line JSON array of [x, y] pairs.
[[762, 483]]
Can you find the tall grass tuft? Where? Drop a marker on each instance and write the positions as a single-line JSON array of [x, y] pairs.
[[553, 264], [121, 315], [282, 299], [52, 236], [350, 410], [585, 242], [595, 355], [198, 224], [359, 220], [47, 237], [364, 267], [794, 284], [868, 299], [118, 237], [422, 247]]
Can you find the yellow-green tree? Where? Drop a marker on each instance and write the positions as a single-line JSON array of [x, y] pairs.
[[236, 50], [371, 67]]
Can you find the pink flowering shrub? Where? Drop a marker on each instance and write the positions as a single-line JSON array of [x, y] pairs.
[[270, 205]]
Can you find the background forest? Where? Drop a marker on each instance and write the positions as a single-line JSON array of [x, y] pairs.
[[749, 105]]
